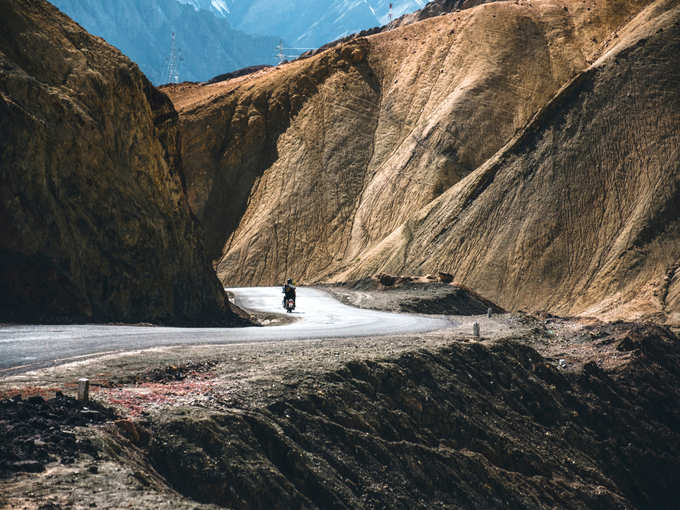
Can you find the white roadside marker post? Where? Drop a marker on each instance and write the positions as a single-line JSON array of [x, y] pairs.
[[475, 329], [83, 389], [489, 312]]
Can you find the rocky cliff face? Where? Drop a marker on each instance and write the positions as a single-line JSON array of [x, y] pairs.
[[94, 221], [409, 152]]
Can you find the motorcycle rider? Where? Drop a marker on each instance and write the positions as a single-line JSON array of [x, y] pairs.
[[288, 291]]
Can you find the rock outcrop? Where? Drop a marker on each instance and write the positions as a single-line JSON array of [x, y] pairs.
[[94, 220], [527, 148]]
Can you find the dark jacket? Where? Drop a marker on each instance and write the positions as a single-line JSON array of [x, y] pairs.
[[289, 291]]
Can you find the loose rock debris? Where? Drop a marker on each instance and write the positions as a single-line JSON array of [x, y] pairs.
[[491, 424], [35, 431]]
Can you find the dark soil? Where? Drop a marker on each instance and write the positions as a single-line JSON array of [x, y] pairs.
[[565, 414], [467, 426], [35, 432], [169, 373]]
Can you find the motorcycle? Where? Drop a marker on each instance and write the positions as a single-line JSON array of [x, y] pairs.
[[289, 304]]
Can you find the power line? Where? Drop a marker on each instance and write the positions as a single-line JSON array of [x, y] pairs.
[[284, 56], [174, 59]]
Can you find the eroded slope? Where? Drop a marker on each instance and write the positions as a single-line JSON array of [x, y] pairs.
[[336, 166], [466, 426], [94, 220], [553, 414], [580, 213]]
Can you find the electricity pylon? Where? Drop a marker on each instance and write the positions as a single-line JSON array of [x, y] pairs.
[[173, 62]]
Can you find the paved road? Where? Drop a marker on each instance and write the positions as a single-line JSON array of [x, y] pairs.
[[26, 347]]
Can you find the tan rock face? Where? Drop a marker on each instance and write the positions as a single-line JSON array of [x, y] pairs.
[[372, 156], [580, 213], [94, 221]]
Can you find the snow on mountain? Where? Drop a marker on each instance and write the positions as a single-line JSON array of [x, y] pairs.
[[219, 7], [220, 36], [306, 23]]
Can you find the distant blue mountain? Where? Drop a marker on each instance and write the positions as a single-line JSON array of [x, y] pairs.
[[220, 36], [306, 23], [142, 30]]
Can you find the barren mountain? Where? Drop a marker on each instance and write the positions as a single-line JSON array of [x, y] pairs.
[[579, 212], [434, 8], [528, 148], [94, 220]]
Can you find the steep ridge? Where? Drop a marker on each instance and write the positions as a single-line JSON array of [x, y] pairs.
[[580, 212], [434, 8], [318, 169], [94, 220]]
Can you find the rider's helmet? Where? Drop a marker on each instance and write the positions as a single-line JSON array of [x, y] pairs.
[[290, 281]]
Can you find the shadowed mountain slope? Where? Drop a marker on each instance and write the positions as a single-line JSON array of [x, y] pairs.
[[381, 155], [94, 220]]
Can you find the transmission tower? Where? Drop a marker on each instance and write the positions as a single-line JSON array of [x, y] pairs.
[[390, 14], [292, 52], [280, 55], [173, 62]]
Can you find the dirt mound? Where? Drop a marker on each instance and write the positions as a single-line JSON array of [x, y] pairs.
[[464, 427], [94, 220], [170, 373], [428, 295], [36, 432]]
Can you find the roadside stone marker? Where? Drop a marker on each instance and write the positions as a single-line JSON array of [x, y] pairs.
[[475, 329], [83, 389], [489, 312]]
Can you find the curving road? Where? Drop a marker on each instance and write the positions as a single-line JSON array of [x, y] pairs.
[[27, 347]]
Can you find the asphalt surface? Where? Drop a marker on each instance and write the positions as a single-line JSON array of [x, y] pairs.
[[27, 347]]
